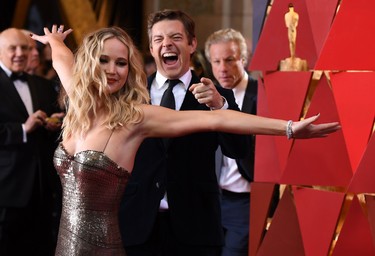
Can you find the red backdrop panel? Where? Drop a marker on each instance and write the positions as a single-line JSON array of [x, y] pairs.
[[370, 203], [355, 236], [321, 14], [293, 87], [261, 196], [354, 95], [283, 236], [266, 166], [323, 161], [364, 179], [318, 212], [350, 43]]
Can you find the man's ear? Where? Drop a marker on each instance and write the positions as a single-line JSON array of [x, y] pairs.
[[193, 44], [150, 49]]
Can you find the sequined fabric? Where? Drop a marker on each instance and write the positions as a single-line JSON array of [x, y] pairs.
[[92, 189]]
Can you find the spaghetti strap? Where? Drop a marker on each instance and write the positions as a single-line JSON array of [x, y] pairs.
[[105, 146]]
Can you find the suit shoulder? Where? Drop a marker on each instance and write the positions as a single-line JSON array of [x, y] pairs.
[[40, 79], [44, 81]]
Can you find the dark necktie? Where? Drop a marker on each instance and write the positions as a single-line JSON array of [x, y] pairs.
[[18, 76], [168, 98]]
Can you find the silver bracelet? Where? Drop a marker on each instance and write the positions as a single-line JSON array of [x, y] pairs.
[[289, 131]]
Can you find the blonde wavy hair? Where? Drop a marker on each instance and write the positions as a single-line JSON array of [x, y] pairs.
[[89, 86]]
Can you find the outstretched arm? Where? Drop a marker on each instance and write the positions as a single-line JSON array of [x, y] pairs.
[[162, 122], [62, 56]]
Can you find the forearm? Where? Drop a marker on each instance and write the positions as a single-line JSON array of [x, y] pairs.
[[61, 54], [238, 122], [268, 126]]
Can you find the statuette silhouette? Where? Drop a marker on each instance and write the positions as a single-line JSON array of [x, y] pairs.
[[292, 63]]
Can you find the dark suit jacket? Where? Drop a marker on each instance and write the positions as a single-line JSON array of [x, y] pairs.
[[186, 170], [246, 164], [21, 163]]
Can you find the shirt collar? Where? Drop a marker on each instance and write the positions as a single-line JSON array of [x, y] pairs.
[[6, 70], [185, 79], [241, 87]]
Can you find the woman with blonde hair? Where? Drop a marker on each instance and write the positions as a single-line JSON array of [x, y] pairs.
[[107, 119]]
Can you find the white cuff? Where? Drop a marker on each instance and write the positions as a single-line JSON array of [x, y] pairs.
[[24, 134]]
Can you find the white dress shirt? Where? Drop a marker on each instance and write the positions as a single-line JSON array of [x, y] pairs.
[[24, 92], [159, 85], [230, 177]]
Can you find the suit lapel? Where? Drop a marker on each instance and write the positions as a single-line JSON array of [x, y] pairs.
[[249, 101], [34, 94], [245, 166]]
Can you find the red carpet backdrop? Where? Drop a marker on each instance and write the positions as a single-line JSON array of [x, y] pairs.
[[327, 199]]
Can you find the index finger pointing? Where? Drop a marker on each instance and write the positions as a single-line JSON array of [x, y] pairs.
[[192, 87]]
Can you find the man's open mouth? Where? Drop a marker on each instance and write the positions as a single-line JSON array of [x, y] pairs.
[[170, 58]]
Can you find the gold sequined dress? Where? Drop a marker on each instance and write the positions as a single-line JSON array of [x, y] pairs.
[[92, 189]]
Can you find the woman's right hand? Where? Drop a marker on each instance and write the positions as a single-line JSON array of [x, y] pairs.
[[55, 32]]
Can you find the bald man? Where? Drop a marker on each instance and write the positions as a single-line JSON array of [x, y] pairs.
[[27, 142]]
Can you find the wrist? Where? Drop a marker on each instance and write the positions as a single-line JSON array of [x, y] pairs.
[[289, 130], [223, 101]]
